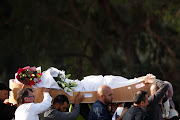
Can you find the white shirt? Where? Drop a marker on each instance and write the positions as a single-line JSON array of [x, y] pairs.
[[30, 111]]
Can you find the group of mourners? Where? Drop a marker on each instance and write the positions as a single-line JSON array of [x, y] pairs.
[[144, 107]]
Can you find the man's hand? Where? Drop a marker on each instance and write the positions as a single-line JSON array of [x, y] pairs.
[[78, 99], [6, 101], [149, 78]]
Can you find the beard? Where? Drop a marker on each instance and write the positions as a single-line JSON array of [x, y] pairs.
[[106, 101]]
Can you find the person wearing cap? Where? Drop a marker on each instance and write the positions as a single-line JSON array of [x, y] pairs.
[[6, 110]]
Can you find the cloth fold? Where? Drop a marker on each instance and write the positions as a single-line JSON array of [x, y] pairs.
[[88, 83]]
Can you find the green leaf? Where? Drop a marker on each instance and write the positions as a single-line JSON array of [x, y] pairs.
[[63, 85], [74, 85], [67, 76], [67, 85]]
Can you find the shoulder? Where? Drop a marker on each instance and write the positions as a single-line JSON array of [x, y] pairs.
[[98, 106], [134, 112], [141, 114], [49, 112], [26, 106], [98, 102], [131, 110]]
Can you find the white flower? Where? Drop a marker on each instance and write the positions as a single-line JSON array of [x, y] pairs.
[[38, 69], [63, 85], [62, 74], [66, 89], [72, 88], [61, 80]]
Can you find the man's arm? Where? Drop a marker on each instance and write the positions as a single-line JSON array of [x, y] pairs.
[[163, 87], [67, 115], [45, 104]]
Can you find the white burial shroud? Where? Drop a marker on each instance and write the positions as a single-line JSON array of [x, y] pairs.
[[89, 83]]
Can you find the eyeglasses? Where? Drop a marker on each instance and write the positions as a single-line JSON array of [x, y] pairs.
[[31, 96]]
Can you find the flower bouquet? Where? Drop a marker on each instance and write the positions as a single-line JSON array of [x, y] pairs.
[[66, 86], [51, 78], [29, 75]]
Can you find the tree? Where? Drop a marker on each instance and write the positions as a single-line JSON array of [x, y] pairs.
[[127, 38]]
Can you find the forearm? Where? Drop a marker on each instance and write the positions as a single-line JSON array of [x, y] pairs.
[[163, 87], [44, 105]]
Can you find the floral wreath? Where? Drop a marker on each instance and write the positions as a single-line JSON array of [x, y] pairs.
[[28, 75]]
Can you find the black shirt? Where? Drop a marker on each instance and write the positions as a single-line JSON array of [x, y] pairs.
[[6, 111], [135, 113]]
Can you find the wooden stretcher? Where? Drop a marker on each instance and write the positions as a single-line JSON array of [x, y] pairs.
[[122, 94]]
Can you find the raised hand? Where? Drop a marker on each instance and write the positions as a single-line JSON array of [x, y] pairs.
[[78, 99], [149, 78]]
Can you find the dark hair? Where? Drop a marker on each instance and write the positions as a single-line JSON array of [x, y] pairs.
[[139, 96], [60, 99], [3, 86], [22, 93]]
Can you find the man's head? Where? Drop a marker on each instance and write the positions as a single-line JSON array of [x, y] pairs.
[[4, 90], [25, 95], [105, 94], [61, 103], [141, 98]]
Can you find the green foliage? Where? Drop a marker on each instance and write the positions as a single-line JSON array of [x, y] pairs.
[[84, 37]]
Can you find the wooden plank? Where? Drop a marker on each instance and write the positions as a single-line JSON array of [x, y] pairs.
[[122, 94]]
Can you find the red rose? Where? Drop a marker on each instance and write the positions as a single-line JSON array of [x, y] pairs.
[[31, 83], [40, 74], [17, 76], [20, 70]]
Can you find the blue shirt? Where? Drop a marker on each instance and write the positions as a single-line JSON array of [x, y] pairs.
[[99, 111]]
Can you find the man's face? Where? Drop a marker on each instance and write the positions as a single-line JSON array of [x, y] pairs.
[[108, 96], [146, 102], [3, 95], [30, 98], [63, 107]]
